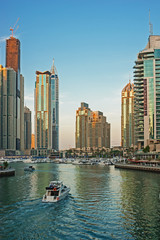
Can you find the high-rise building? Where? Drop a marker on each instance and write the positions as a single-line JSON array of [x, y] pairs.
[[92, 130], [55, 107], [147, 93], [127, 116], [82, 115], [13, 54], [13, 61], [98, 131], [27, 128], [7, 109], [43, 110], [21, 113]]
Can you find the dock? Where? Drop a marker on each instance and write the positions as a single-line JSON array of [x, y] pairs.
[[7, 172], [138, 167]]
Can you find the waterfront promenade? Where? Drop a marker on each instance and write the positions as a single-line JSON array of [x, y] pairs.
[[138, 167]]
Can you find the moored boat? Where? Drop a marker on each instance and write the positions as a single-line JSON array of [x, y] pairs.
[[55, 192]]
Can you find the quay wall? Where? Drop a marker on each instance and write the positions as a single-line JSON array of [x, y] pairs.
[[138, 167]]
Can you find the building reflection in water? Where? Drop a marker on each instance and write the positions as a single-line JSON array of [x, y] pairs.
[[140, 203], [91, 182]]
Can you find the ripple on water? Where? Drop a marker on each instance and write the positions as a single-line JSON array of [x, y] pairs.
[[103, 204]]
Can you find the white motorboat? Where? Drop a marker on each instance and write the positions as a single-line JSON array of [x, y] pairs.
[[55, 192]]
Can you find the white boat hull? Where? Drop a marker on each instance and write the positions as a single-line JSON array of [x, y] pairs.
[[55, 198]]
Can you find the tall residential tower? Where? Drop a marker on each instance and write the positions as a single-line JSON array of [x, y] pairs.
[[43, 110], [55, 108], [127, 116], [92, 130], [8, 109], [147, 93], [13, 61]]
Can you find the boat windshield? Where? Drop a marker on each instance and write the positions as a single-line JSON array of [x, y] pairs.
[[53, 193]]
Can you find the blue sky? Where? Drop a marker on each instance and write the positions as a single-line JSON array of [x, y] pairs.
[[94, 44]]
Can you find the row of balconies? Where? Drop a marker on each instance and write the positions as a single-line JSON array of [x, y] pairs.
[[138, 82], [140, 70], [138, 75]]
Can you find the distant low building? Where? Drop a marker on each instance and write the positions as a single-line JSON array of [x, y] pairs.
[[33, 141]]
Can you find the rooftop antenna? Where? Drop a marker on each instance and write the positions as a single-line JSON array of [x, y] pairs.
[[150, 25], [12, 29], [53, 68]]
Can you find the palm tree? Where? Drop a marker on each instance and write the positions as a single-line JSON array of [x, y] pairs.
[[5, 164]]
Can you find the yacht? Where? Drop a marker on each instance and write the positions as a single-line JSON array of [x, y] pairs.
[[55, 192]]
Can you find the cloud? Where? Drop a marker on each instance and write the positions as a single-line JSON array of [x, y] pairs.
[[3, 39]]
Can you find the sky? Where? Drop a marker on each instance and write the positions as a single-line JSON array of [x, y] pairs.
[[94, 44]]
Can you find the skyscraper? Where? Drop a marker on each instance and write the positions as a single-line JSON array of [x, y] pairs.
[[21, 113], [92, 130], [43, 110], [127, 116], [147, 93], [55, 108], [98, 131], [13, 54], [13, 61], [7, 109], [27, 128], [82, 115]]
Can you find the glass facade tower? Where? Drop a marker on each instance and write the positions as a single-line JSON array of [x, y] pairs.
[[43, 110], [55, 108], [147, 93], [47, 110]]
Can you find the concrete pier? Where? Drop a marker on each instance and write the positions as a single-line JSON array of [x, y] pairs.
[[138, 167], [7, 172]]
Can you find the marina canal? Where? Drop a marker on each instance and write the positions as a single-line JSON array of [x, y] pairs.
[[104, 203]]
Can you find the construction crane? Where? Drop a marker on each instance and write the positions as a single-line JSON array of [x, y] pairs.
[[12, 29]]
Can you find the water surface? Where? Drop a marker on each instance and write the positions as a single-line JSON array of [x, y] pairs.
[[104, 203]]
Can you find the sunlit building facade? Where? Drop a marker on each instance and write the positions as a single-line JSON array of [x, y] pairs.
[[55, 107], [147, 93], [33, 141], [127, 116], [8, 119], [98, 131], [82, 115], [43, 110], [92, 130]]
